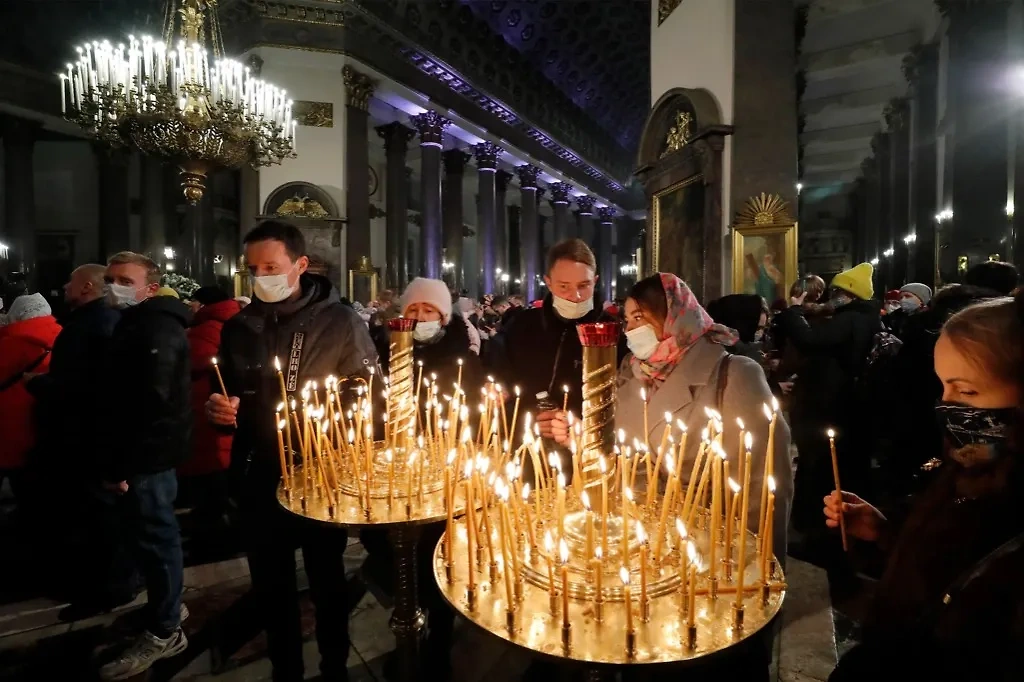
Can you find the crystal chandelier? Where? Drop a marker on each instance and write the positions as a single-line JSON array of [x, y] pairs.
[[171, 102]]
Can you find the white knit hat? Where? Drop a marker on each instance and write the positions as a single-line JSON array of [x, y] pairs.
[[27, 307], [432, 291]]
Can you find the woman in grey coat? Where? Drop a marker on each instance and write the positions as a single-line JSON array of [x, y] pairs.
[[678, 356]]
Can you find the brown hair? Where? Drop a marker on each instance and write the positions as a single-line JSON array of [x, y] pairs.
[[989, 333], [649, 294], [575, 250], [812, 284], [132, 258]]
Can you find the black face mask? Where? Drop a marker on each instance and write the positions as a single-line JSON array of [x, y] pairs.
[[966, 426]]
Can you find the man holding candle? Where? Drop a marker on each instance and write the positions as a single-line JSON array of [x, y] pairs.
[[299, 318]]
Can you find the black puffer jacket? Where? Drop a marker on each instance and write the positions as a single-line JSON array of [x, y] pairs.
[[835, 354], [441, 355], [149, 385], [328, 337]]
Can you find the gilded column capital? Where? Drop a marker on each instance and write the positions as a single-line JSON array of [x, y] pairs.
[[585, 204], [527, 176], [396, 136], [430, 125], [487, 154], [560, 192], [606, 214], [358, 86]]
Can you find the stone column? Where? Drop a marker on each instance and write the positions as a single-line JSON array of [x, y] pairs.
[[880, 144], [358, 88], [529, 230], [501, 179], [112, 174], [514, 264], [980, 104], [605, 263], [487, 154], [430, 125], [899, 207], [923, 159], [19, 232], [585, 220], [625, 247], [396, 145], [560, 209], [451, 214]]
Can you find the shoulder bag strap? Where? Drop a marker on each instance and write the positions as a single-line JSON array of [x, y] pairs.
[[723, 382], [11, 381]]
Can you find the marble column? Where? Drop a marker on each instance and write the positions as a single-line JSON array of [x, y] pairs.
[[430, 125], [358, 88], [899, 207], [981, 107], [923, 159], [487, 154], [560, 193], [396, 146], [114, 209], [19, 231], [501, 179], [586, 218], [514, 264], [529, 230], [605, 261], [451, 214]]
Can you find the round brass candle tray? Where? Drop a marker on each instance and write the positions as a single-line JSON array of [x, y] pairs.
[[598, 631]]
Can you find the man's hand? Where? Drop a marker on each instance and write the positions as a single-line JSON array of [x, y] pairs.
[[786, 386], [222, 410], [119, 488], [554, 424], [798, 300]]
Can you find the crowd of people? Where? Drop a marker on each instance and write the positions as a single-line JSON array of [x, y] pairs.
[[923, 390]]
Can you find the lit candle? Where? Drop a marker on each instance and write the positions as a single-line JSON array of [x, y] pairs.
[[549, 551], [652, 485], [565, 398], [529, 519], [627, 597], [627, 501], [670, 491], [741, 563], [560, 504], [470, 524], [716, 485], [739, 455], [515, 414], [449, 491], [563, 554], [641, 536], [767, 541], [691, 553], [458, 382], [602, 464], [767, 472], [839, 488], [734, 487], [280, 449], [284, 398], [506, 569], [408, 485], [681, 530], [598, 573]]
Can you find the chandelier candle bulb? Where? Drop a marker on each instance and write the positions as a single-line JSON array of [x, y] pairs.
[[839, 488]]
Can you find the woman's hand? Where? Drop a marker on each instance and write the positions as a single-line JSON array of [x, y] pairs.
[[554, 424], [222, 410], [863, 521], [798, 301]]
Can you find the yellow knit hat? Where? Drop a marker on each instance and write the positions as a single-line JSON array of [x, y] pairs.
[[857, 281], [167, 291]]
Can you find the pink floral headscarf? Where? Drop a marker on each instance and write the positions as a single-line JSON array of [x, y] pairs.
[[687, 322]]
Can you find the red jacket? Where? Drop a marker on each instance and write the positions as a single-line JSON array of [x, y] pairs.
[[22, 344], [211, 448]]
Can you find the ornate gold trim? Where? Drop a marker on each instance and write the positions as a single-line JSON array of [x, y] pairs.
[[741, 232], [314, 114], [302, 207], [764, 210], [665, 8], [679, 134], [280, 11], [655, 246], [359, 87]]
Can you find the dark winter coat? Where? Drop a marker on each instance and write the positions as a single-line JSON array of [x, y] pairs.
[[741, 312], [440, 356], [330, 339], [148, 386], [211, 447], [835, 354], [965, 514], [68, 413], [529, 348]]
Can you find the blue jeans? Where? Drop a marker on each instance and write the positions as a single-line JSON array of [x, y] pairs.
[[153, 537]]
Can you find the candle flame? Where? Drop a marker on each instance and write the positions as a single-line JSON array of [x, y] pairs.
[[749, 438], [412, 457], [388, 456], [563, 551], [585, 499], [526, 492], [213, 360], [561, 480], [641, 534], [372, 370], [549, 544], [734, 485], [767, 411], [467, 470], [668, 418], [565, 388], [280, 406], [459, 361], [691, 551], [452, 454], [739, 423], [621, 436], [831, 433], [280, 425], [643, 394], [516, 389], [554, 462], [718, 450], [602, 464], [681, 425], [277, 363], [598, 554], [681, 528], [629, 494], [708, 412], [771, 484], [624, 576], [705, 434], [775, 404]]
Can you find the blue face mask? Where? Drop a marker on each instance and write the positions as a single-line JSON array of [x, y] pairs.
[[909, 305]]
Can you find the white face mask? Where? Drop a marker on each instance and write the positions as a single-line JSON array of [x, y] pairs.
[[425, 331], [909, 305], [642, 341], [572, 310], [272, 288], [119, 295]]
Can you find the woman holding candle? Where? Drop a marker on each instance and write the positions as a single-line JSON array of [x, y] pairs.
[[950, 604]]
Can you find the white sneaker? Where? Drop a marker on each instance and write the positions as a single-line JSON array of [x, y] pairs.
[[140, 656]]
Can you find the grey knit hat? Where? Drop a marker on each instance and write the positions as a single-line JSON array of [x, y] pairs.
[[27, 307], [922, 291]]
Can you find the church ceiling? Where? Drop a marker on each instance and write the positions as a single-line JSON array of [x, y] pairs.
[[596, 52]]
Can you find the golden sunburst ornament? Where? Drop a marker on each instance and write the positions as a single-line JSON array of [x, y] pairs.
[[764, 209]]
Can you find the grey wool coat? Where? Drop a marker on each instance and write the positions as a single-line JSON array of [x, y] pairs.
[[693, 385]]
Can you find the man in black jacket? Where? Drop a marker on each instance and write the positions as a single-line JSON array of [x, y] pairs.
[[297, 317], [150, 427]]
